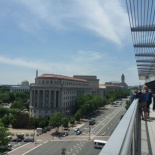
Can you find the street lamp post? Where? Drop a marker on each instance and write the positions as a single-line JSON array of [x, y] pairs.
[[89, 132]]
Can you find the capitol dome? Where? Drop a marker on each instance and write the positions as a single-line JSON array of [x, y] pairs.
[[25, 83]]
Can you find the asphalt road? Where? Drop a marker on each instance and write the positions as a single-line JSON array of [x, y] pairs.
[[106, 122], [71, 148]]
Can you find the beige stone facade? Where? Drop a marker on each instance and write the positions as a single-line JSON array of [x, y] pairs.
[[57, 93], [52, 93]]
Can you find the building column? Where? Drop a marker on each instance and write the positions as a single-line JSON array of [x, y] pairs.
[[34, 98], [38, 93], [43, 99], [54, 98], [49, 103], [31, 97]]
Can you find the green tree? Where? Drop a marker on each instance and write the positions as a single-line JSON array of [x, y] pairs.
[[11, 97], [72, 121], [3, 136], [127, 105], [7, 119], [42, 124], [78, 115], [65, 122], [3, 111], [56, 120], [20, 121]]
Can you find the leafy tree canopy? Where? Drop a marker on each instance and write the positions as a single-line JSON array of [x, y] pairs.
[[56, 119], [3, 136]]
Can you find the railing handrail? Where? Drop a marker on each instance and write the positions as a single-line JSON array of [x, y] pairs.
[[120, 141]]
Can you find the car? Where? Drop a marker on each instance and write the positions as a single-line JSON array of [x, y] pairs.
[[76, 129], [9, 147], [17, 140], [78, 132], [65, 134], [28, 140]]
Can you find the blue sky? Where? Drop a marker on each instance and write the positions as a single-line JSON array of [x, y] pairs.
[[71, 37]]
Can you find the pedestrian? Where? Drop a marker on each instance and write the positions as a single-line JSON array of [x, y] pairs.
[[153, 108], [153, 95], [142, 104], [148, 99]]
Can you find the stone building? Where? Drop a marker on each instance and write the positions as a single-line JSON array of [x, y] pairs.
[[55, 93], [23, 87], [118, 83]]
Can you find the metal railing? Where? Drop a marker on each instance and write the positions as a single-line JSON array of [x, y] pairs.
[[124, 140]]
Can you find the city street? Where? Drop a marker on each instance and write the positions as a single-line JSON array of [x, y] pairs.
[[106, 121]]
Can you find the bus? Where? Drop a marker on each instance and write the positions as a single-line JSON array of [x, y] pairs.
[[92, 122], [99, 143]]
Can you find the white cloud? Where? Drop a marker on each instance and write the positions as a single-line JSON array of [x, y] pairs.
[[106, 67], [106, 18], [23, 63], [88, 56]]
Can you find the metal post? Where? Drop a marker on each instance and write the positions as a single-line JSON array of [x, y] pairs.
[[89, 132]]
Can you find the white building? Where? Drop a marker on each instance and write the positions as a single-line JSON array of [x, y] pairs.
[[52, 93], [57, 93], [24, 87]]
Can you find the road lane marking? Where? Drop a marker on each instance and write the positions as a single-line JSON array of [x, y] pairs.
[[34, 148], [19, 147]]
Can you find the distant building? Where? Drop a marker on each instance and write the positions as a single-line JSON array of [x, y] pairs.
[[112, 86], [117, 83], [24, 87], [53, 93]]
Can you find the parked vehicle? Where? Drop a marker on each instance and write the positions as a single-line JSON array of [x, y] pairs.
[[65, 134], [39, 131], [28, 140], [78, 132], [17, 140], [76, 129], [9, 147]]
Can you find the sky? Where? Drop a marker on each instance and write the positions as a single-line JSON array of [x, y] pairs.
[[71, 37]]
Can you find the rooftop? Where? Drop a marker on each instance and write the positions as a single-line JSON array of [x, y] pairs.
[[60, 77]]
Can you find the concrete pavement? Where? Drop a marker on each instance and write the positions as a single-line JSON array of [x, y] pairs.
[[148, 135]]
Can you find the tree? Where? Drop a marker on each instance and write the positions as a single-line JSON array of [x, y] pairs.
[[65, 122], [20, 121], [7, 120], [127, 105], [3, 136], [42, 124], [12, 97], [56, 120], [3, 112], [78, 115], [72, 121]]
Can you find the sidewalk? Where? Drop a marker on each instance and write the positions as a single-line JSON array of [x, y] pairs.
[[148, 135]]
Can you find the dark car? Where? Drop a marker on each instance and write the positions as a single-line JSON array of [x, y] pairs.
[[65, 134], [76, 129], [17, 140], [78, 132], [28, 140]]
